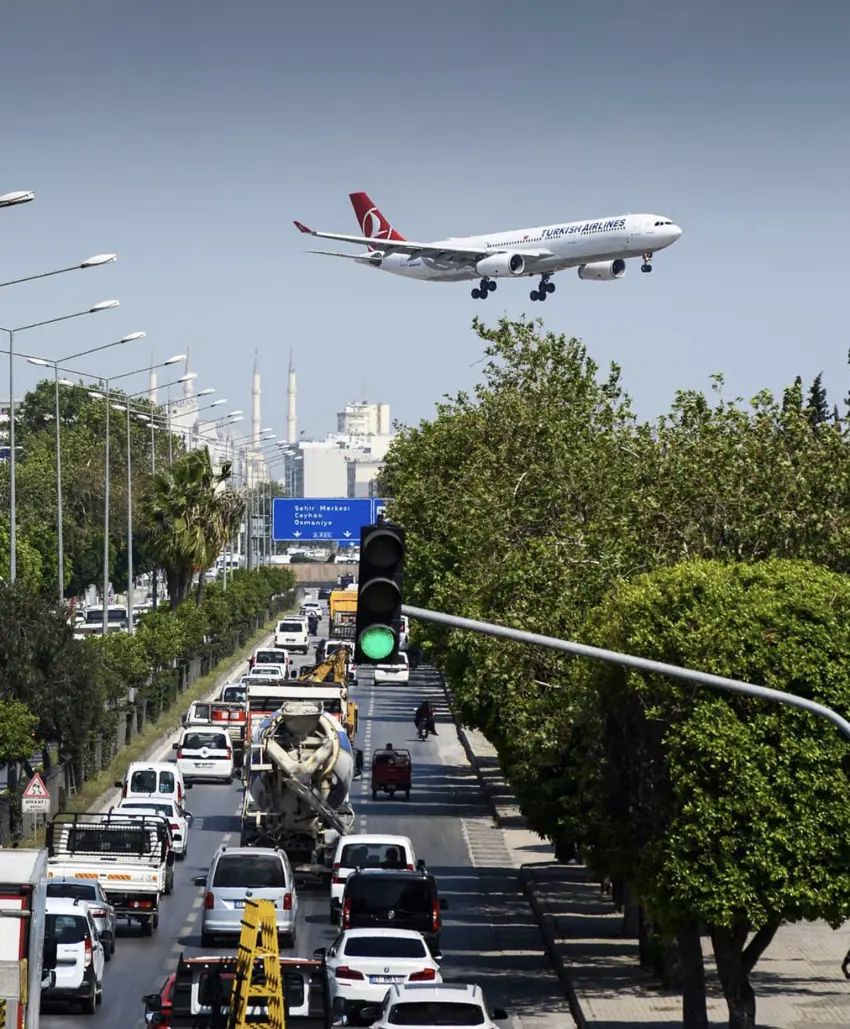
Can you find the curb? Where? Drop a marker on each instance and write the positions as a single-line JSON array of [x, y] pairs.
[[541, 915]]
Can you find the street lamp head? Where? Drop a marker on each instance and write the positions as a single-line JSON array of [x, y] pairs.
[[234, 413], [176, 359], [269, 429], [104, 305], [188, 378], [143, 417], [95, 396], [118, 407], [133, 336], [20, 196], [65, 382], [39, 361], [218, 403], [99, 259], [233, 421], [205, 392]]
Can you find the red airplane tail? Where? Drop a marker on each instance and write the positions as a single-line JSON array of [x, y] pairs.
[[372, 223]]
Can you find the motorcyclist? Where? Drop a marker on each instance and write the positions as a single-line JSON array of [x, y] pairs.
[[425, 713], [313, 625]]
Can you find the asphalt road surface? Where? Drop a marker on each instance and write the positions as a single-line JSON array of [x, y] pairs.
[[488, 936]]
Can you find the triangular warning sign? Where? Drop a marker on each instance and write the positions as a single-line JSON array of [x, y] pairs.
[[36, 787]]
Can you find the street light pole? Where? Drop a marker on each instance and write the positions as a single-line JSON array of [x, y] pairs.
[[57, 382], [13, 526], [104, 598], [130, 583]]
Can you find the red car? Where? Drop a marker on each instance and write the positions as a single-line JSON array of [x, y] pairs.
[[159, 1012]]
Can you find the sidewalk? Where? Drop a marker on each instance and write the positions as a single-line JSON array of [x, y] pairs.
[[798, 981]]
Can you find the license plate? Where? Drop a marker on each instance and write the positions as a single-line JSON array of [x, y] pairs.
[[204, 764], [239, 903], [386, 979]]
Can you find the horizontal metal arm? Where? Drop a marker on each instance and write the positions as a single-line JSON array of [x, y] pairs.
[[642, 664]]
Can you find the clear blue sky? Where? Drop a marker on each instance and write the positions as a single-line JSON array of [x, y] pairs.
[[187, 134]]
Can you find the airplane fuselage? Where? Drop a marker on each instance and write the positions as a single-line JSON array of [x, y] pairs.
[[569, 245]]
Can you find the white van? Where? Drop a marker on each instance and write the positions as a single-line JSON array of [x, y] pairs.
[[154, 779], [291, 633]]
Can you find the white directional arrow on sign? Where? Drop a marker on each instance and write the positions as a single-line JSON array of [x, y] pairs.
[[296, 534], [346, 534]]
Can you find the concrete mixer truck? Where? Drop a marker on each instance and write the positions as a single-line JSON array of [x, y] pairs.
[[298, 771]]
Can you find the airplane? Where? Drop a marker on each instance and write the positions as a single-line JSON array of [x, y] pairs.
[[598, 248]]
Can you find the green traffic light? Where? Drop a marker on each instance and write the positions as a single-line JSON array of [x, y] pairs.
[[377, 642]]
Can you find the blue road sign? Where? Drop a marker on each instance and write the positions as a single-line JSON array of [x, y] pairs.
[[322, 519]]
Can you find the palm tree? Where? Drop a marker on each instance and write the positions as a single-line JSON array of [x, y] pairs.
[[189, 511]]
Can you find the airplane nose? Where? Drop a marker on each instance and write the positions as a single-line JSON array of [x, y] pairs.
[[675, 231]]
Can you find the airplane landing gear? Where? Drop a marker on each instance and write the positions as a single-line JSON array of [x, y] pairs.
[[646, 266], [545, 287], [485, 288]]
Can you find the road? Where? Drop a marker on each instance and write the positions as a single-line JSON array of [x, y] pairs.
[[488, 936]]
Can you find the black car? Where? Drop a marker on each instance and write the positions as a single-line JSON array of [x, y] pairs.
[[383, 899], [324, 593]]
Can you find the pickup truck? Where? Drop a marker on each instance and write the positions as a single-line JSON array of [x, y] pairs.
[[200, 995], [129, 856]]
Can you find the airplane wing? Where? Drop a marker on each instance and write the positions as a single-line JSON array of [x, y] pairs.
[[461, 255], [351, 257]]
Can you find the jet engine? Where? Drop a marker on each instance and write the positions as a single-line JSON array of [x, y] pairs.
[[603, 271], [500, 264]]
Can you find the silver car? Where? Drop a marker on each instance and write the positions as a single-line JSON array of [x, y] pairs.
[[239, 874], [102, 912]]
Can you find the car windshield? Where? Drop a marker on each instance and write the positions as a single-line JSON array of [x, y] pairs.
[[385, 947], [202, 711], [234, 694], [371, 891], [167, 810], [372, 855], [271, 657], [434, 1012], [198, 740], [74, 891], [295, 627], [254, 871], [66, 929]]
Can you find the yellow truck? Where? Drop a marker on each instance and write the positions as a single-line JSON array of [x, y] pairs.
[[342, 614]]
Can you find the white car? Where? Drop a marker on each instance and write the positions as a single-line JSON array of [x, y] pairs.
[[266, 671], [204, 754], [448, 1005], [363, 963], [398, 672], [367, 850], [79, 953], [312, 607], [291, 634], [178, 818]]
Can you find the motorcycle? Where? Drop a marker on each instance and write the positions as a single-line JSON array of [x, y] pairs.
[[423, 729]]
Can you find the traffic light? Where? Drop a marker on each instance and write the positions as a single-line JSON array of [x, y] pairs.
[[379, 581]]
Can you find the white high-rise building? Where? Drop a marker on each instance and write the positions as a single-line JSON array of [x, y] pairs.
[[364, 418]]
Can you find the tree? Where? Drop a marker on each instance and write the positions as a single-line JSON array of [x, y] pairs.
[[719, 809], [188, 512], [817, 407], [17, 731]]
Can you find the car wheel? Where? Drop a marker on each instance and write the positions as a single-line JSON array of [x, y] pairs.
[[112, 948], [334, 917], [107, 953], [147, 927], [98, 996], [90, 1003], [182, 855]]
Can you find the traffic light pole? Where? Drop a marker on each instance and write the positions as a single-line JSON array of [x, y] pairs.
[[642, 664]]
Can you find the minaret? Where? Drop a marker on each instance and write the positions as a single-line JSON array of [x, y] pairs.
[[187, 385], [152, 385], [290, 392], [255, 393]]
